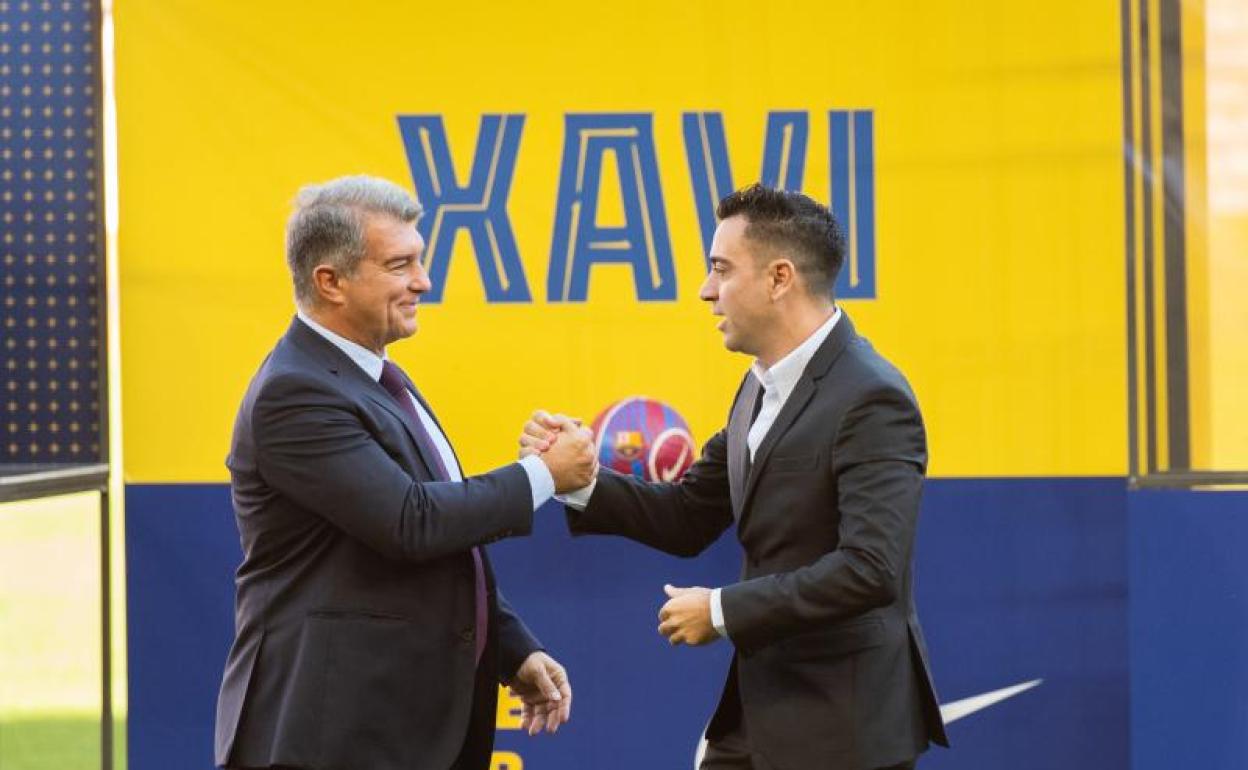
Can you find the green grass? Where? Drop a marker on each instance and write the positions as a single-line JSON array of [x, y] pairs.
[[57, 742], [50, 667]]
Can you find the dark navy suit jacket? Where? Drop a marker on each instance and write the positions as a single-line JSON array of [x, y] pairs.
[[355, 605]]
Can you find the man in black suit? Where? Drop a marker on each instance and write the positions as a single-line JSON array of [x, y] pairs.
[[369, 632], [820, 469]]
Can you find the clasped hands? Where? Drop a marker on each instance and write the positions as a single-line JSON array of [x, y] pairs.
[[686, 616], [564, 445]]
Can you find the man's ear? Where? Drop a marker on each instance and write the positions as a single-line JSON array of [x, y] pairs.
[[782, 278], [327, 283]]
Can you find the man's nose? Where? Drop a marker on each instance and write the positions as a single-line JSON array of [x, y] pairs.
[[420, 282], [709, 292]]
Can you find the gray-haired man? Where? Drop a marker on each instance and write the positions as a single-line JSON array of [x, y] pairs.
[[369, 630]]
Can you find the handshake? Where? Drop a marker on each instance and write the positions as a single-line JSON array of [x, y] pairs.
[[564, 445]]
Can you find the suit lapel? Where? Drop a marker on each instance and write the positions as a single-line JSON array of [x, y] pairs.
[[805, 389], [354, 378], [379, 396], [341, 365], [738, 432], [801, 395]]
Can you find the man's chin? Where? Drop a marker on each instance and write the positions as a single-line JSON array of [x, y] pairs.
[[404, 331]]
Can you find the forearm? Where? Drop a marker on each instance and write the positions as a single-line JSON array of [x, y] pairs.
[[515, 641], [364, 493], [764, 610], [441, 518], [663, 516]]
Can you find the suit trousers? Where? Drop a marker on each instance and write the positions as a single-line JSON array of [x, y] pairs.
[[475, 754], [731, 751], [479, 742]]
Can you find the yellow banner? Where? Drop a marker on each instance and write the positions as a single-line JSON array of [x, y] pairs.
[[568, 159]]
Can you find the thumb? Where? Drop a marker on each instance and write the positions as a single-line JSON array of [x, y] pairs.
[[672, 591]]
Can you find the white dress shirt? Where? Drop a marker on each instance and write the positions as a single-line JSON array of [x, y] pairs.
[[779, 381], [541, 483]]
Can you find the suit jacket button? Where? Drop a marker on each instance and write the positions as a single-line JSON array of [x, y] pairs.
[[467, 635]]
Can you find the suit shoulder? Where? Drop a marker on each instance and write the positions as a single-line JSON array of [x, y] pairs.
[[288, 374], [874, 375]]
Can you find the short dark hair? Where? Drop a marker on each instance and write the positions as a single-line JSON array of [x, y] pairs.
[[796, 224]]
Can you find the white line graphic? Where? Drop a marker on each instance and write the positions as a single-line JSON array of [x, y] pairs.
[[952, 712]]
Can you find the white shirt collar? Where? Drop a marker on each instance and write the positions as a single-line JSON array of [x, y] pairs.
[[782, 377], [364, 358]]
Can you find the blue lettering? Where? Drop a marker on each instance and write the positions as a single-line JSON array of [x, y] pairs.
[[480, 207], [706, 149], [579, 241], [852, 153]]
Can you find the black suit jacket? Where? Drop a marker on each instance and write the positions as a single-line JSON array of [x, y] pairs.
[[830, 668], [355, 601]]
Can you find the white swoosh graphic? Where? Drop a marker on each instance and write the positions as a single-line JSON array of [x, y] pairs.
[[949, 712], [952, 712]]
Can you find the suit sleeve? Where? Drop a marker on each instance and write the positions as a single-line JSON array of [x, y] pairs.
[[681, 518], [312, 447], [878, 460], [515, 641]]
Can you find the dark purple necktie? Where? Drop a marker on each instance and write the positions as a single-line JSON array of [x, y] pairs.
[[395, 383]]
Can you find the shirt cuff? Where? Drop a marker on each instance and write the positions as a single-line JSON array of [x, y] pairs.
[[541, 482], [717, 613], [579, 498]]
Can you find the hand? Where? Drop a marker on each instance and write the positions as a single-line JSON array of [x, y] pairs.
[[568, 451], [686, 617], [541, 431], [542, 686]]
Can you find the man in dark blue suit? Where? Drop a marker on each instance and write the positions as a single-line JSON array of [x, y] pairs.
[[369, 629], [819, 471]]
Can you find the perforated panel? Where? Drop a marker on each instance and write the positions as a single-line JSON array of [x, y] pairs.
[[51, 249]]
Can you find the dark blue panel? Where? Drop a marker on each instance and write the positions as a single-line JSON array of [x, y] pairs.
[[1017, 580], [1022, 579], [181, 552], [594, 601], [1189, 629]]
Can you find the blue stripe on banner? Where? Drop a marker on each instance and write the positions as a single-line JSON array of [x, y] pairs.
[[1189, 629], [840, 170], [706, 149], [784, 154], [863, 284], [1017, 580]]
